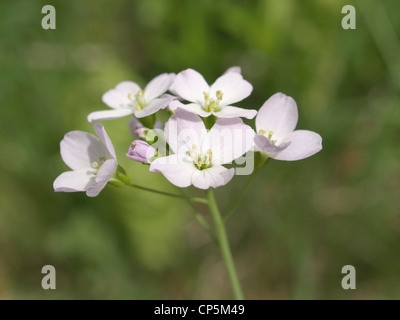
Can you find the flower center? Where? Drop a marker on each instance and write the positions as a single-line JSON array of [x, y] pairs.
[[97, 164], [211, 104], [138, 102], [270, 135], [201, 160]]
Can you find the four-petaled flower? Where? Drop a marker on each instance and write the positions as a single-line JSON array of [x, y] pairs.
[[93, 162], [128, 98], [199, 155], [215, 99], [275, 124]]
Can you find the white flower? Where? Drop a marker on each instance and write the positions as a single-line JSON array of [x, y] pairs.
[[217, 99], [275, 124], [128, 98], [93, 162], [199, 155]]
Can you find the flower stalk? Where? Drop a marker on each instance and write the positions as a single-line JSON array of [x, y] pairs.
[[224, 246]]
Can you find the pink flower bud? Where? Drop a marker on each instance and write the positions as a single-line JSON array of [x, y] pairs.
[[141, 132], [141, 151]]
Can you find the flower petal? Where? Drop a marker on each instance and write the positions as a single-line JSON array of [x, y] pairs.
[[115, 99], [303, 144], [233, 87], [234, 69], [102, 134], [191, 107], [235, 112], [228, 139], [190, 85], [183, 130], [176, 170], [74, 181], [279, 114], [153, 107], [267, 146], [128, 88], [108, 114], [103, 175], [213, 177], [158, 86], [80, 149]]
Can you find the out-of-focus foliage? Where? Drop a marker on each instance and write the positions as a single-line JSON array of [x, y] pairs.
[[300, 223]]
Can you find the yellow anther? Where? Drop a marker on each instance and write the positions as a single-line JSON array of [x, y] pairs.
[[219, 95], [134, 143], [262, 132], [270, 134], [206, 96], [95, 165]]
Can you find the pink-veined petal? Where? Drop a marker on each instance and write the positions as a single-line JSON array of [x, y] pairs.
[[74, 181], [103, 175], [213, 177], [235, 112], [108, 115], [80, 149], [279, 114], [175, 169], [190, 85], [159, 85], [183, 130], [228, 139], [302, 144], [233, 87], [102, 134], [153, 107]]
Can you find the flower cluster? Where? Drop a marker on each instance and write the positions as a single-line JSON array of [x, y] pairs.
[[203, 134]]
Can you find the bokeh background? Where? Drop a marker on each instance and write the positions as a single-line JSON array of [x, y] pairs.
[[300, 223]]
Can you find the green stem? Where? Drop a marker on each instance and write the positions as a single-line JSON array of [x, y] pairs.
[[224, 245], [198, 200], [241, 196], [200, 217]]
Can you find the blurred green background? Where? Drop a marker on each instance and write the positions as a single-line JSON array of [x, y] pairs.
[[300, 223]]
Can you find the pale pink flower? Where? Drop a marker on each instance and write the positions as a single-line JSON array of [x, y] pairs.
[[276, 135], [128, 98], [216, 99], [93, 162], [200, 154]]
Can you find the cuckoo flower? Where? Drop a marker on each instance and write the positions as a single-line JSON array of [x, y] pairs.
[[275, 124], [128, 98], [200, 155], [93, 162], [215, 99]]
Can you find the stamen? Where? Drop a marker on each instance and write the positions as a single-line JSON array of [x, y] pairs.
[[140, 102], [95, 165], [262, 132], [270, 134], [212, 105]]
